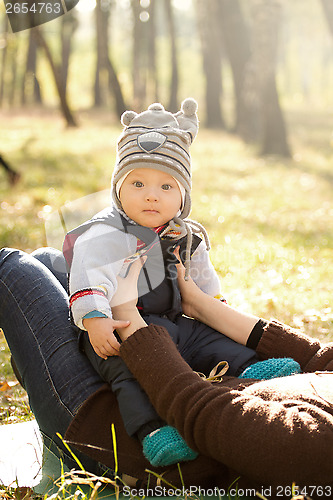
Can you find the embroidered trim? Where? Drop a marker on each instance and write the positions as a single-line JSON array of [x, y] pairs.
[[84, 292], [141, 252], [141, 244]]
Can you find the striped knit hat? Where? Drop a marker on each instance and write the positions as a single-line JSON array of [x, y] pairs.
[[160, 140]]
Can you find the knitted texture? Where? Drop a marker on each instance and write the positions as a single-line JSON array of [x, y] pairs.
[[165, 446], [272, 368]]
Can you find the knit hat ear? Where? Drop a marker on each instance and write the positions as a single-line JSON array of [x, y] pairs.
[[127, 117], [187, 117]]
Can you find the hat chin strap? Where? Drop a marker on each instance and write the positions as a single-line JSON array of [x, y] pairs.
[[187, 227]]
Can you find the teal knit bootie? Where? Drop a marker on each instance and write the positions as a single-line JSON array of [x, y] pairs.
[[272, 368], [165, 446]]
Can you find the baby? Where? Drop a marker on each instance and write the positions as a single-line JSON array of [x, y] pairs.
[[151, 192]]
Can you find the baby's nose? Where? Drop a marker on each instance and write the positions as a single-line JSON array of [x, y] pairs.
[[151, 195]]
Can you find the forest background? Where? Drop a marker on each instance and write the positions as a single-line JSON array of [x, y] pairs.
[[262, 73]]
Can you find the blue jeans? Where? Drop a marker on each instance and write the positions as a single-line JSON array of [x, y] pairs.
[[34, 316]]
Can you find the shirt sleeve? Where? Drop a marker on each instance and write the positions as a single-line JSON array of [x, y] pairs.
[[203, 273], [98, 258]]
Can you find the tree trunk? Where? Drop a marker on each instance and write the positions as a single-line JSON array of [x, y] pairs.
[[114, 86], [212, 61], [99, 87], [71, 122], [106, 79], [69, 23], [12, 175], [152, 84], [260, 77], [236, 40], [274, 139], [3, 62], [30, 89], [328, 11], [173, 98], [138, 60], [13, 68]]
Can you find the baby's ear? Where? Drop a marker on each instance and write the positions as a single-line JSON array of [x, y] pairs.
[[127, 117]]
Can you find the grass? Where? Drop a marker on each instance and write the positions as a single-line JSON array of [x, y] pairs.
[[269, 219]]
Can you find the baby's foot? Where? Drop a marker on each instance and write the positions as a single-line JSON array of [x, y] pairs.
[[165, 446], [271, 368]]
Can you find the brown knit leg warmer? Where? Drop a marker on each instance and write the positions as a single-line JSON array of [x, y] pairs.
[[279, 340]]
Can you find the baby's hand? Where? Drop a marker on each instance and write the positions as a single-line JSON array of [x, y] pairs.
[[101, 336], [189, 291]]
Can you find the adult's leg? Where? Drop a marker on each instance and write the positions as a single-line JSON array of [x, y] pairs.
[[35, 319], [54, 260]]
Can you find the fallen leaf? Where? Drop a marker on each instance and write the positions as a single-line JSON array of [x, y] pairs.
[[6, 386]]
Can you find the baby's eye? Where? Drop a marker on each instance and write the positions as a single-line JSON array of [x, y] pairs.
[[166, 187], [138, 184]]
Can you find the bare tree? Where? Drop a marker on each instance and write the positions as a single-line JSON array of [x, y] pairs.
[[236, 40], [144, 67], [56, 72], [3, 60], [259, 81], [10, 67], [252, 52], [174, 80], [8, 83], [30, 88], [138, 56], [12, 175], [152, 86], [106, 79], [99, 87], [328, 10], [69, 24], [209, 30]]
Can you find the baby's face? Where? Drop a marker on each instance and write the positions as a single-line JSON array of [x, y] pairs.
[[150, 197]]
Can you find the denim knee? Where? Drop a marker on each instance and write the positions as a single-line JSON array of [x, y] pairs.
[[54, 260]]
